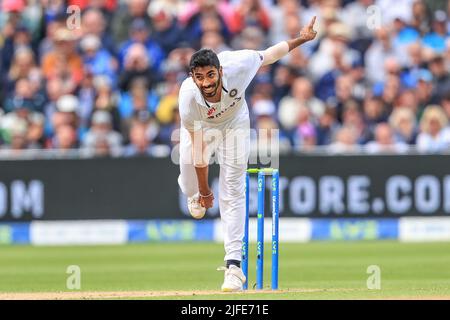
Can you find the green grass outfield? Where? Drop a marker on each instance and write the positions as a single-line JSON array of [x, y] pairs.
[[317, 270]]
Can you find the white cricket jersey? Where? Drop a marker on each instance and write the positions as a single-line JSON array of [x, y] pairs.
[[239, 68]]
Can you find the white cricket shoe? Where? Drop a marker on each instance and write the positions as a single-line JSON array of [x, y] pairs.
[[195, 208], [234, 279]]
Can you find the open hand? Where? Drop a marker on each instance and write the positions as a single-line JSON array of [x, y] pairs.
[[308, 33]]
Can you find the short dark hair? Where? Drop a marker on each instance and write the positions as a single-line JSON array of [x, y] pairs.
[[204, 58]]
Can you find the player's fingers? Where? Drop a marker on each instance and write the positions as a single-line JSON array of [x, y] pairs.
[[207, 202], [313, 21]]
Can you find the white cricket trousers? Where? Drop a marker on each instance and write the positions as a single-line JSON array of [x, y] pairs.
[[231, 146]]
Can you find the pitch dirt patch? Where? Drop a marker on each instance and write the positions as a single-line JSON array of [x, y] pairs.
[[83, 295], [93, 295]]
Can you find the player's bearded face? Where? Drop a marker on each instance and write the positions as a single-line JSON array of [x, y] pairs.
[[208, 80]]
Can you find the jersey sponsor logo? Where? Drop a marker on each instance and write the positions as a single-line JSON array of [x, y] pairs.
[[236, 100]]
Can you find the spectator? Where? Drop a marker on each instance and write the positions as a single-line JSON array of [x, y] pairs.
[[66, 113], [380, 50], [437, 37], [445, 102], [65, 138], [435, 5], [167, 33], [174, 72], [267, 140], [424, 89], [86, 96], [136, 66], [447, 55], [140, 35], [141, 144], [173, 7], [182, 55], [138, 98], [214, 40], [262, 106], [326, 86], [374, 113], [334, 52], [53, 90], [19, 38], [408, 99], [420, 17], [278, 15], [441, 78], [384, 141], [127, 12], [14, 128], [302, 93], [48, 43], [312, 9], [23, 64], [23, 97], [64, 62], [403, 122], [101, 139], [53, 9], [306, 137], [345, 141], [144, 117], [355, 15], [413, 64], [358, 75], [283, 77], [326, 127], [390, 91], [93, 22], [250, 13], [98, 60], [171, 123], [106, 100], [35, 130], [288, 122], [343, 95], [403, 33], [199, 14], [210, 23], [251, 38], [353, 118], [430, 138]]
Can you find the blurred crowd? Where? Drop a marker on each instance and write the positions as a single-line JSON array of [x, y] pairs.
[[103, 76]]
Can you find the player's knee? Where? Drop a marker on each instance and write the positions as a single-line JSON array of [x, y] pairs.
[[232, 193]]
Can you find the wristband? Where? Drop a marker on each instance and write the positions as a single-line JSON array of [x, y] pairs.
[[209, 195]]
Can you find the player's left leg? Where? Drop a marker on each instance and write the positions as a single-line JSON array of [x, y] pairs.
[[232, 208]]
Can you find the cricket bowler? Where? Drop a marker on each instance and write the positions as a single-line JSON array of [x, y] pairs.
[[213, 109]]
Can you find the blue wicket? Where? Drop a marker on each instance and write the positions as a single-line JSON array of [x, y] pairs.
[[245, 241], [260, 230], [260, 226], [275, 220]]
